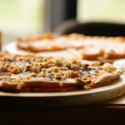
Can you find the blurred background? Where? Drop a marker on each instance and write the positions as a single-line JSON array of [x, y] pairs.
[[21, 18]]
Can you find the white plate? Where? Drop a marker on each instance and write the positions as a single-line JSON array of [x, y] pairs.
[[119, 63], [11, 48]]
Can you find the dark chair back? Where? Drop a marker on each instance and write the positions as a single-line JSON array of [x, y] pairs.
[[95, 29]]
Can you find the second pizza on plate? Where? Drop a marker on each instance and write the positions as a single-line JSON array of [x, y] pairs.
[[81, 46]]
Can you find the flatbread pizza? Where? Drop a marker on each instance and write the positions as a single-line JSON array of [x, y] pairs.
[[81, 46], [31, 73]]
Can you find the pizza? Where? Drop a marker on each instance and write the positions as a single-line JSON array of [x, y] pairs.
[[81, 46], [100, 48], [31, 73], [39, 43], [50, 42]]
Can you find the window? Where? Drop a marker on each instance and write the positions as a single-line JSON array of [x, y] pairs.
[[20, 18], [101, 10]]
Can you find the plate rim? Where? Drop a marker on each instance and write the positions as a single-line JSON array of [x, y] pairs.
[[101, 89]]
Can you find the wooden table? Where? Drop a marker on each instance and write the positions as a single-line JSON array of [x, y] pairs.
[[111, 112]]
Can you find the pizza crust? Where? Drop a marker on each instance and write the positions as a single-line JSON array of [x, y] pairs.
[[101, 55], [10, 86], [48, 89], [86, 55], [113, 55], [42, 85], [107, 78], [51, 84]]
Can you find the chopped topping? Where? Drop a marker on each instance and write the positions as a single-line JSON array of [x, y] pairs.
[[43, 69], [74, 66], [96, 71], [78, 80], [1, 59], [94, 63], [58, 77], [50, 65], [41, 75], [3, 69], [108, 66], [86, 66], [69, 74], [33, 74], [58, 74], [49, 61], [39, 60], [55, 69], [64, 68], [50, 75], [7, 58], [7, 65], [75, 74], [74, 61], [66, 64], [63, 77], [44, 64], [15, 71], [80, 71], [21, 58], [59, 63], [85, 79], [28, 77], [28, 68], [36, 69]]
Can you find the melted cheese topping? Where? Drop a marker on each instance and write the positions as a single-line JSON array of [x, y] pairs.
[[49, 69]]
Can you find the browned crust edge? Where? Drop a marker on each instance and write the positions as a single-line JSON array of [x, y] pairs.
[[79, 55], [107, 78]]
